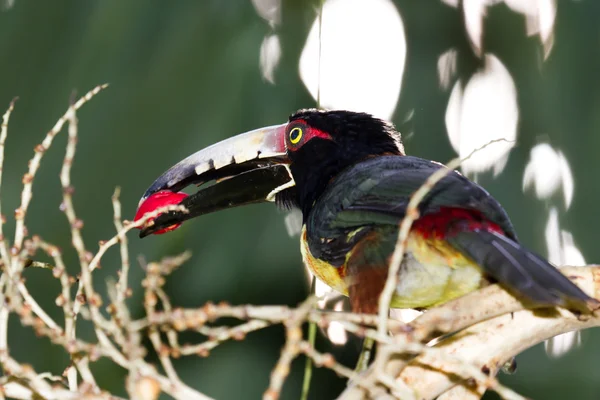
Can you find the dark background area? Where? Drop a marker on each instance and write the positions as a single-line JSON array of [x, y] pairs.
[[185, 74]]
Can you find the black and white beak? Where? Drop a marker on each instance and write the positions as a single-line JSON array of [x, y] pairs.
[[248, 168]]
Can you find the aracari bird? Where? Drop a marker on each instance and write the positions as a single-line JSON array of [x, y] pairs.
[[348, 174]]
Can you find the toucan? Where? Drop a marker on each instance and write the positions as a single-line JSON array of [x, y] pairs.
[[348, 174]]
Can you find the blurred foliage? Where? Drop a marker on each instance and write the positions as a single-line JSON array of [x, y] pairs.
[[184, 74]]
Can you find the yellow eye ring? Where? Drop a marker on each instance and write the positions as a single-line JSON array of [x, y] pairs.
[[295, 135]]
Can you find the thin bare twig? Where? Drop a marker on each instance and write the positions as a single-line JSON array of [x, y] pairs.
[[3, 133], [86, 282], [290, 350], [238, 333], [34, 164], [412, 214], [153, 283], [122, 285]]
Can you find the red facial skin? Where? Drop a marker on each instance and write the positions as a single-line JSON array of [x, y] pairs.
[[157, 200], [308, 133]]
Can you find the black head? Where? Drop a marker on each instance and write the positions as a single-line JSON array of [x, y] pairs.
[[321, 144]]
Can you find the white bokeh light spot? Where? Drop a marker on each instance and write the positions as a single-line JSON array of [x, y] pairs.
[[483, 111], [6, 5], [293, 222], [362, 51], [270, 54], [446, 66], [559, 345], [539, 19], [572, 254], [404, 315], [562, 251], [474, 11], [451, 3], [552, 235], [568, 183], [336, 332], [561, 245], [269, 10], [548, 170]]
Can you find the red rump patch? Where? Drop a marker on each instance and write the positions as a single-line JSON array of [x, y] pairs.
[[158, 200], [449, 220]]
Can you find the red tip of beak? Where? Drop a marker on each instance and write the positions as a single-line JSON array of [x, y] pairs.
[[157, 200]]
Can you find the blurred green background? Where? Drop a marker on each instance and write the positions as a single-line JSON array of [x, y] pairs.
[[185, 74]]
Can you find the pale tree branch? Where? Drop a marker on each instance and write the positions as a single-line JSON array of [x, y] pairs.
[[491, 327]]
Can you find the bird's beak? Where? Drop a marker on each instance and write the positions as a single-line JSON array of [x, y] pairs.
[[247, 168]]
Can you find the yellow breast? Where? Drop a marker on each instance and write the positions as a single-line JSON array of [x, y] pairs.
[[432, 272], [330, 275]]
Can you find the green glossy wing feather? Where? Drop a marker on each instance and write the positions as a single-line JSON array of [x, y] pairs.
[[377, 191]]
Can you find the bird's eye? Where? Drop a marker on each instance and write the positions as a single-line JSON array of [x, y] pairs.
[[295, 135]]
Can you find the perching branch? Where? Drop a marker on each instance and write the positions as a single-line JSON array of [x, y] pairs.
[[492, 326]]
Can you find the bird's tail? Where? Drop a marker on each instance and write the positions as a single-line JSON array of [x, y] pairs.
[[520, 270]]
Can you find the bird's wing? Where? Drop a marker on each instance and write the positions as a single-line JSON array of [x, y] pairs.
[[375, 194], [377, 191]]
